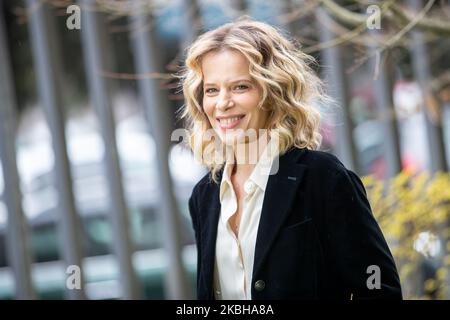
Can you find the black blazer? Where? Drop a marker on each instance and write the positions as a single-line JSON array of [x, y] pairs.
[[316, 237]]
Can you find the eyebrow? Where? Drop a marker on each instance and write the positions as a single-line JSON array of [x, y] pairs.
[[234, 81]]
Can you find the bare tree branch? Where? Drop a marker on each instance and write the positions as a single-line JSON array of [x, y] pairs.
[[394, 12], [343, 14], [429, 24], [346, 37], [136, 76], [352, 34], [410, 25]]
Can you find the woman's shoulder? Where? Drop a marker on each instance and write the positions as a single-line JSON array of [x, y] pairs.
[[204, 183], [322, 161], [326, 168], [321, 165]]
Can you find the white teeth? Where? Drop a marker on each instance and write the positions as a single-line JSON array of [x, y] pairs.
[[228, 121]]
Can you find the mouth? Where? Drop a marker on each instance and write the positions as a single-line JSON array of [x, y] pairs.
[[230, 122]]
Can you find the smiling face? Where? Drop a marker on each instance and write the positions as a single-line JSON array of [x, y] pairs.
[[231, 96]]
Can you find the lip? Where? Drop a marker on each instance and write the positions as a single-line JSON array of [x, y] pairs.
[[231, 125], [230, 116]]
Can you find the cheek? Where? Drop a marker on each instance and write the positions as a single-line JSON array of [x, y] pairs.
[[208, 107], [250, 102]]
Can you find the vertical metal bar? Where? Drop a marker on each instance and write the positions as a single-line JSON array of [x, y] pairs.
[[17, 238], [384, 99], [295, 25], [158, 114], [239, 5], [95, 40], [48, 81], [433, 123], [192, 22], [238, 8], [422, 72], [334, 73]]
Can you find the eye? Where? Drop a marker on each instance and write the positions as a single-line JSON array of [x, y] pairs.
[[241, 87], [210, 90]]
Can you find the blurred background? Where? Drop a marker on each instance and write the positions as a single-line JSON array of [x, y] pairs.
[[93, 174]]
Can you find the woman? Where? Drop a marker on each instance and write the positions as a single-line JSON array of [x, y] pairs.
[[273, 219]]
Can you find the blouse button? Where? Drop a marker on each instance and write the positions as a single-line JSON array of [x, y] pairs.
[[249, 187]]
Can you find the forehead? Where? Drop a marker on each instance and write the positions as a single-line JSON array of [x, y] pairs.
[[224, 66]]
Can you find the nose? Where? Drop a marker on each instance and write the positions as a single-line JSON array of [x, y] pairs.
[[224, 102]]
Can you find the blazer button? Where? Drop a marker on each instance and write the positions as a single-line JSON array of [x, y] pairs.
[[260, 285]]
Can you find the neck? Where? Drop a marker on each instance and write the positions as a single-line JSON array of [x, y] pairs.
[[242, 169], [247, 155]]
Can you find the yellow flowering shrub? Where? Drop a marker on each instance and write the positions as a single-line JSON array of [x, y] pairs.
[[414, 213]]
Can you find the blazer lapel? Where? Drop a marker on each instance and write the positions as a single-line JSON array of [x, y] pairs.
[[211, 218], [279, 197]]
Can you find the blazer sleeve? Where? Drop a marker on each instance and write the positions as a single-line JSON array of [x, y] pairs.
[[195, 223], [357, 245]]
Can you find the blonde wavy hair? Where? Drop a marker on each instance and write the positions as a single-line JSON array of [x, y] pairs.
[[279, 67]]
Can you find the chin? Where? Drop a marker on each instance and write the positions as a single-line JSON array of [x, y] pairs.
[[230, 138]]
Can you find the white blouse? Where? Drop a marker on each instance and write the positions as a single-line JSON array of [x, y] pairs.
[[234, 255]]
